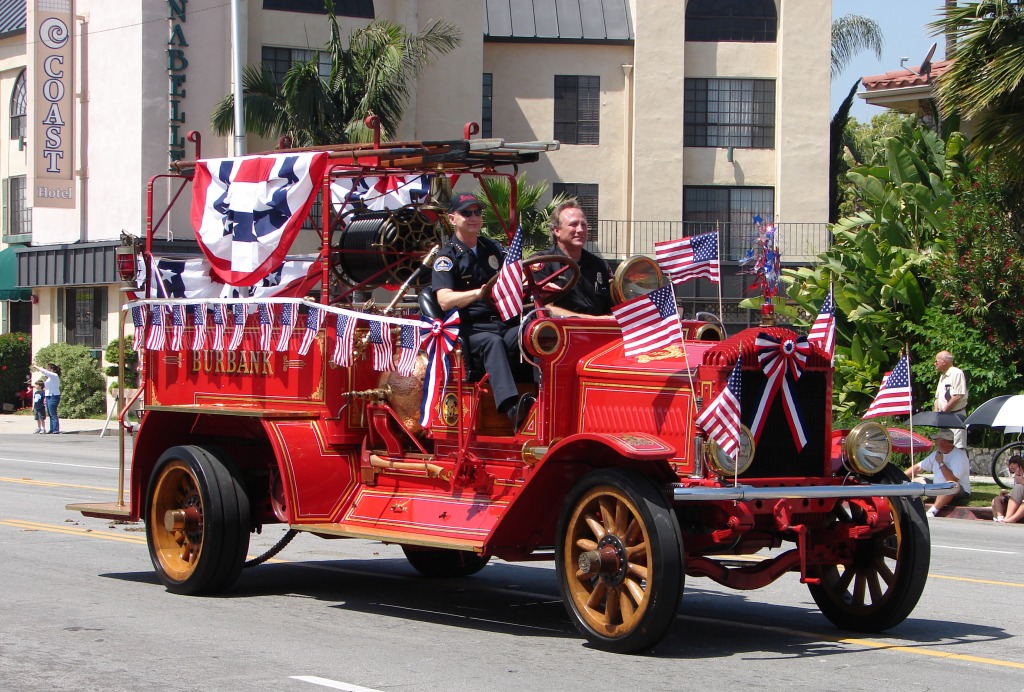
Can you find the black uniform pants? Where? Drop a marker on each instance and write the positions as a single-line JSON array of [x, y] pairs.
[[493, 345]]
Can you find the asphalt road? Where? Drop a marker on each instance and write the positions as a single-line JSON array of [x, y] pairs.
[[83, 610]]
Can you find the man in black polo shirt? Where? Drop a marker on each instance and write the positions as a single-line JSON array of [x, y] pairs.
[[590, 296], [461, 269]]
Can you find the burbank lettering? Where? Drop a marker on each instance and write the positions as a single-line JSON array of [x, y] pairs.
[[233, 363]]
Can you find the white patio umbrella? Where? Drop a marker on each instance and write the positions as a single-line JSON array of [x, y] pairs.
[[1006, 412]]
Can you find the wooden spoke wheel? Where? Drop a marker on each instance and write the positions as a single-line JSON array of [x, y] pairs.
[[887, 573], [619, 560], [197, 521], [444, 564]]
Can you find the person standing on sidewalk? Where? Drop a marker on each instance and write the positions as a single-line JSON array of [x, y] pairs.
[[39, 406], [950, 465], [951, 392], [52, 391]]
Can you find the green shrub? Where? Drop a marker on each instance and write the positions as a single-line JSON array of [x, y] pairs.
[[15, 357], [82, 386], [131, 364]]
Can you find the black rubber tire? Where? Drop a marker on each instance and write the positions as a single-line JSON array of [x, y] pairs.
[[439, 563], [208, 557], [632, 609], [889, 571], [999, 472]]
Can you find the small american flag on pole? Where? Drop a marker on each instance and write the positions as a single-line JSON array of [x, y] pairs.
[[689, 258], [177, 326], [894, 396], [409, 345], [380, 339], [345, 332], [823, 331], [219, 322], [721, 419], [139, 320], [238, 320], [649, 322], [266, 325], [157, 337], [199, 327], [287, 325], [508, 289], [313, 318]]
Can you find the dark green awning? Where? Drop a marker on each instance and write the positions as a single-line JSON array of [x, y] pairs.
[[9, 278]]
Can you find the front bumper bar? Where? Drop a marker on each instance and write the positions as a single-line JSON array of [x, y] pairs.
[[811, 492]]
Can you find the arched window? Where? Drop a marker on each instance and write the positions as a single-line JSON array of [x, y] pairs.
[[19, 107], [755, 21]]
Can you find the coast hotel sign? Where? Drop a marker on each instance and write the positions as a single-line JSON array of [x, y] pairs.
[[53, 90]]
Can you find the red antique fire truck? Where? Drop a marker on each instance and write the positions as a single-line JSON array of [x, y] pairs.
[[271, 395]]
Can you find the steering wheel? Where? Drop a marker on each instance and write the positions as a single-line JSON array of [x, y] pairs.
[[543, 290]]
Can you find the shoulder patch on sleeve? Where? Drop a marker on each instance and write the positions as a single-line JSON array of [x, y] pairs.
[[443, 264]]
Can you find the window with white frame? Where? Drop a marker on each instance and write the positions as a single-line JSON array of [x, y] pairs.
[[17, 213], [278, 60], [19, 107]]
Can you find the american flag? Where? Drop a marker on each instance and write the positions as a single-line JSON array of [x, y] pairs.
[[139, 320], [508, 289], [219, 320], [894, 397], [199, 326], [238, 320], [409, 343], [345, 332], [721, 419], [689, 258], [156, 337], [380, 338], [649, 322], [177, 326], [287, 325], [313, 318], [266, 325], [823, 331]]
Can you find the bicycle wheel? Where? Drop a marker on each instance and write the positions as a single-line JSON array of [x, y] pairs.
[[1000, 474]]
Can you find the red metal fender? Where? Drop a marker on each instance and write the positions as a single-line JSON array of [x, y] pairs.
[[639, 446]]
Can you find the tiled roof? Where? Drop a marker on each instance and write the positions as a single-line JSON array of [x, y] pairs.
[[572, 20], [12, 17], [905, 77]]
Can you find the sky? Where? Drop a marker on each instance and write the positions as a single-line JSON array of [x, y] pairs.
[[903, 24]]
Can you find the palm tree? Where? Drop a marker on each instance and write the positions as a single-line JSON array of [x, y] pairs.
[[850, 35], [985, 83], [372, 75]]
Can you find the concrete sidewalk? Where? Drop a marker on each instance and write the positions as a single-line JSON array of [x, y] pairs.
[[20, 424]]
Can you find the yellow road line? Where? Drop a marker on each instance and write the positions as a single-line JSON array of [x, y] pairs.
[[29, 481], [88, 533], [856, 641], [70, 531], [977, 581]]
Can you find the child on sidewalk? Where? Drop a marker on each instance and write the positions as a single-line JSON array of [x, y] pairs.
[[39, 407]]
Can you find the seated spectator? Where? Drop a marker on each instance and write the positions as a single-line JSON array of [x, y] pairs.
[[949, 464], [1008, 506]]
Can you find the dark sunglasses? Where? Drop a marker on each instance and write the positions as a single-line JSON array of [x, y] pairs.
[[470, 212]]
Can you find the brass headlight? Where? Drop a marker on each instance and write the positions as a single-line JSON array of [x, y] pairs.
[[725, 465], [637, 276], [866, 449]]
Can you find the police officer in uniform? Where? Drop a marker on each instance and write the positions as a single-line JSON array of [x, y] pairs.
[[590, 296], [461, 269]]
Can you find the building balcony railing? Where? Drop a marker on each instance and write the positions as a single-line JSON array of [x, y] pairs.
[[799, 243]]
